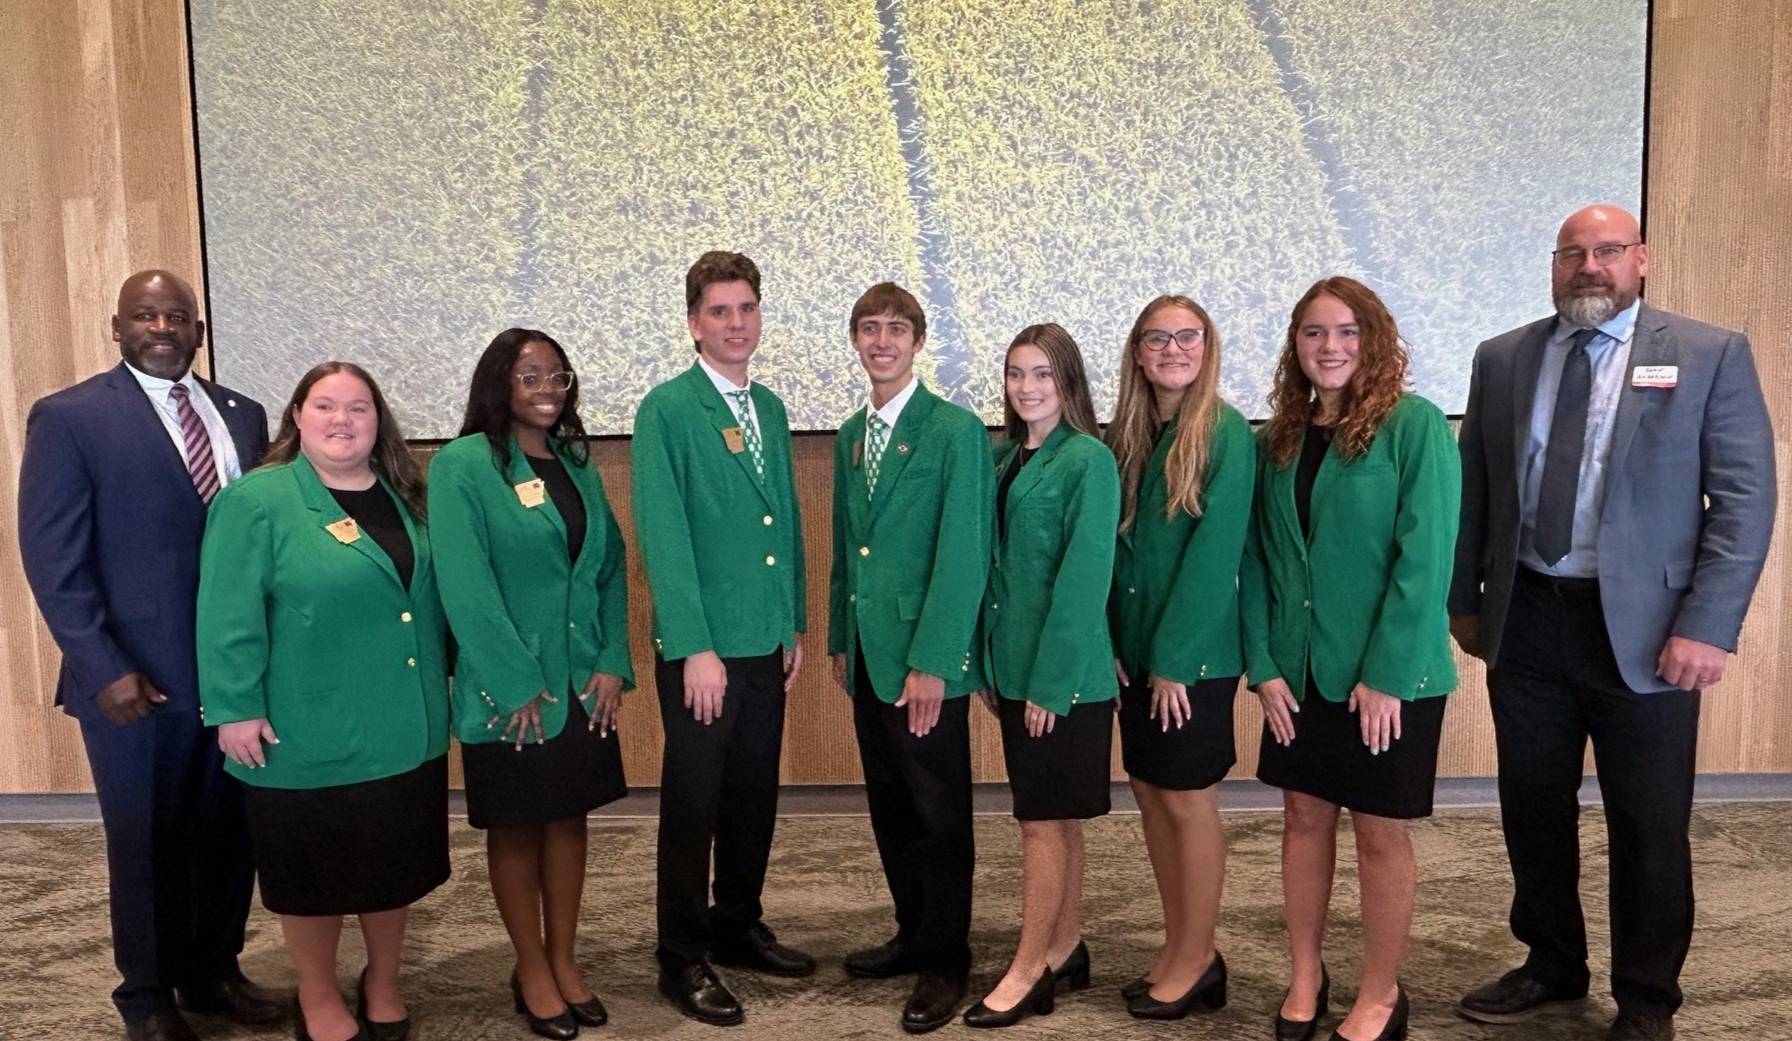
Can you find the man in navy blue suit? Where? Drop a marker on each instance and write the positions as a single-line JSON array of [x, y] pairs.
[[117, 474]]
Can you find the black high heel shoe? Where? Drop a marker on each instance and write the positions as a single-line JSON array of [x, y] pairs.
[[1075, 969], [1304, 1029], [393, 1031], [1395, 1028], [590, 1013], [1209, 992], [1137, 987], [556, 1028], [1040, 1000]]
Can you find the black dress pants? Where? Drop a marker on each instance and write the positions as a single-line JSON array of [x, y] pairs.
[[179, 865], [919, 789], [718, 789], [1556, 684]]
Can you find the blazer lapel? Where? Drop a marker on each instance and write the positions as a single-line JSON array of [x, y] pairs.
[[521, 472], [1030, 476], [1525, 363], [235, 421], [858, 498], [136, 408], [329, 511], [1650, 345], [903, 441], [721, 413]]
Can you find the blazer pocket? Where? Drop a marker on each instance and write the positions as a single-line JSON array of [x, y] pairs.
[[1679, 574], [908, 606], [322, 727]]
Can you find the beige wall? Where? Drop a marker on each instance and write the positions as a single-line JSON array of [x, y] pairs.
[[99, 181]]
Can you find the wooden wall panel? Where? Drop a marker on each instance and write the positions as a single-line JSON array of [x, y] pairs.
[[95, 122]]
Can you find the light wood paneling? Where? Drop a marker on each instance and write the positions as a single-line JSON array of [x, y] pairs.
[[95, 122]]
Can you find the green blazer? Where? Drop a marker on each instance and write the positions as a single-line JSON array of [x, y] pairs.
[[1363, 599], [1045, 615], [1174, 605], [317, 636], [525, 618], [723, 546], [910, 565]]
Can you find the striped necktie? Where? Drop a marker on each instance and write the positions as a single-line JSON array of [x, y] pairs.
[[200, 465]]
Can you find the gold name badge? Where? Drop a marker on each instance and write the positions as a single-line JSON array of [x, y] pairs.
[[532, 493], [345, 530], [734, 439]]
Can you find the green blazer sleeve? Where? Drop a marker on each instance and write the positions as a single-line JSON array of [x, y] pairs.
[[1254, 596], [1078, 609], [1414, 605], [664, 533], [955, 585], [510, 674], [1200, 621], [236, 564]]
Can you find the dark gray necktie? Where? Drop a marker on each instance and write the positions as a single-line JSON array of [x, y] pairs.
[[1561, 460]]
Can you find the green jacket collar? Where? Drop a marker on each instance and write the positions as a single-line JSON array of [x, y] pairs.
[[319, 500]]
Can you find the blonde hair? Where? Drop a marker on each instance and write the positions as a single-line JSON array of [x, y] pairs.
[[1133, 433]]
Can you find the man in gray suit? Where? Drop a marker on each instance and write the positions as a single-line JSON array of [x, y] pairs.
[[1617, 500]]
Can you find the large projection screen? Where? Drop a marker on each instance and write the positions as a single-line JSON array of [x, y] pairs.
[[393, 182]]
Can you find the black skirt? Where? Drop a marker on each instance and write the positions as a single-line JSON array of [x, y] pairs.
[[1329, 761], [573, 773], [351, 848], [1198, 755], [1062, 775]]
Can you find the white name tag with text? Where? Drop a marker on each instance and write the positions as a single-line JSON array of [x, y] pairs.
[[1655, 376]]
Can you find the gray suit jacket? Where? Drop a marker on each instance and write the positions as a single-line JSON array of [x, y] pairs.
[[1689, 494]]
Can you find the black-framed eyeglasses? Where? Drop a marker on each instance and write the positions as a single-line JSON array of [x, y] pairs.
[[552, 380], [1604, 256], [1187, 339]]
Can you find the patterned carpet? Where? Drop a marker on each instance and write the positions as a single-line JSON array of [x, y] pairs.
[[826, 895]]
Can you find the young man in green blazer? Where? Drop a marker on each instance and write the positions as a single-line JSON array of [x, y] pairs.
[[716, 514], [913, 494]]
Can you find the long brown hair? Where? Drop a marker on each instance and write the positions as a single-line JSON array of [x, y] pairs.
[[1370, 396], [391, 458], [1068, 374], [1133, 433]]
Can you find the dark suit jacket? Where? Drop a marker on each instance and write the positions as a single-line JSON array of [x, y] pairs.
[[109, 529], [1689, 493]]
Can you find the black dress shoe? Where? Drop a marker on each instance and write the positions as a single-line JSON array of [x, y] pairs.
[[166, 1025], [391, 1030], [1395, 1028], [1133, 989], [759, 950], [589, 1013], [1304, 1029], [1040, 1000], [1075, 970], [1641, 1026], [236, 1000], [933, 1004], [697, 993], [1209, 992], [880, 962], [559, 1028], [1516, 996]]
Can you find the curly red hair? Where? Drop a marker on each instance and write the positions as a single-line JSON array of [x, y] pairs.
[[1374, 389]]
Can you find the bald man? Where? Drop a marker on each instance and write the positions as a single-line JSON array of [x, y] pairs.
[[1617, 500], [117, 474]]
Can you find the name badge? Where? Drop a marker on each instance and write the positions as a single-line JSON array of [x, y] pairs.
[[734, 439], [345, 530], [1655, 376], [532, 493]]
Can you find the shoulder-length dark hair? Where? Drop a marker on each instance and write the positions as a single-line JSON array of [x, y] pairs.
[[391, 457], [1373, 391], [488, 398], [1068, 375]]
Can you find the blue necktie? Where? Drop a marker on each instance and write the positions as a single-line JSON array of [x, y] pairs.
[[1561, 460]]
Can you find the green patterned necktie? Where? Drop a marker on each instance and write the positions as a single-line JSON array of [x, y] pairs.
[[743, 407], [874, 450]]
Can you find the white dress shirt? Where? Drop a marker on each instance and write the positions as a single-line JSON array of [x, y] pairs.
[[1609, 353], [223, 448], [728, 388], [892, 410]]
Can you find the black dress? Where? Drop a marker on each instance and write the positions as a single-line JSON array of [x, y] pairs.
[[1328, 759], [355, 848], [573, 772], [1062, 775]]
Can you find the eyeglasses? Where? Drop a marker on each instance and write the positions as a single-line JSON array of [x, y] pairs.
[[553, 380], [1187, 339], [1604, 256]]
